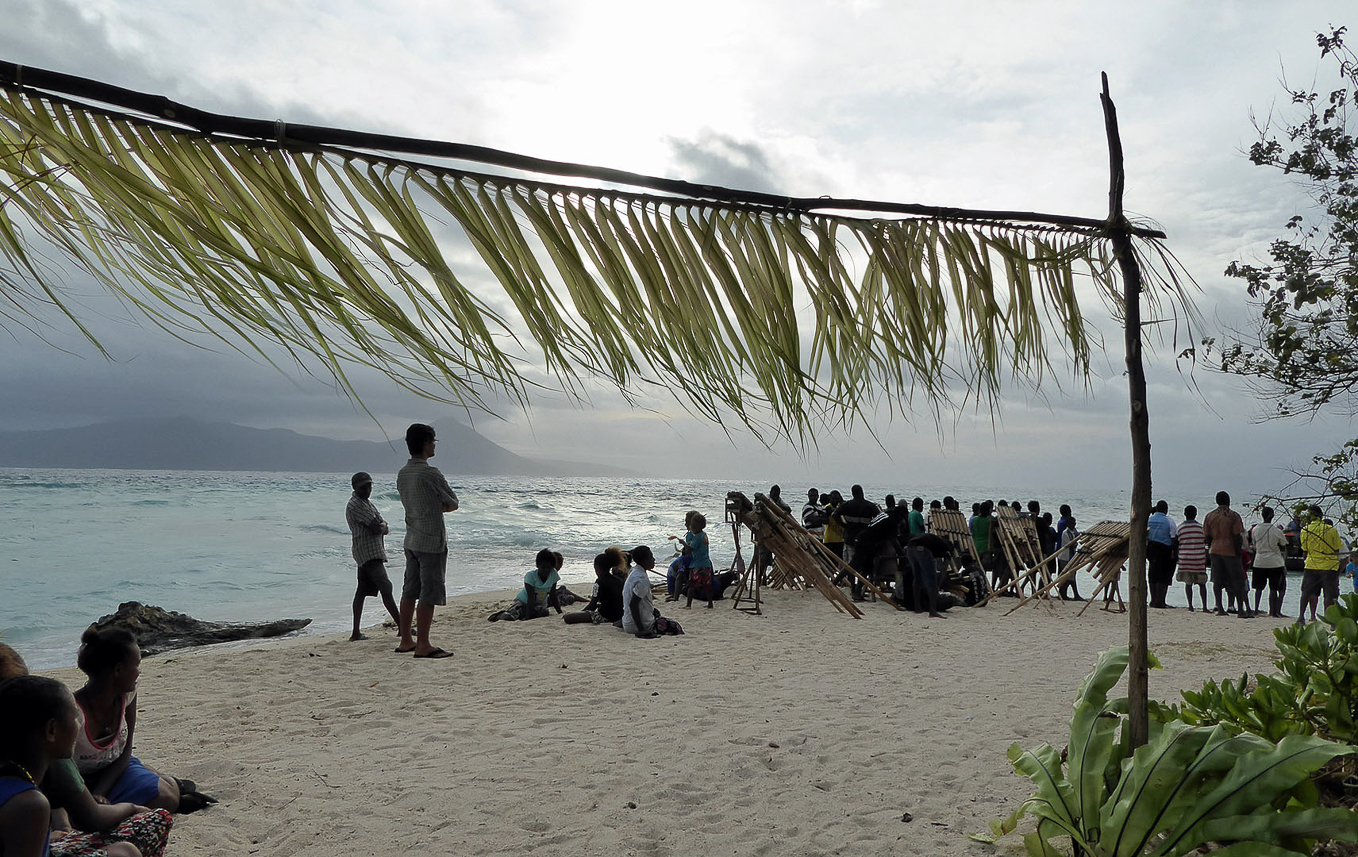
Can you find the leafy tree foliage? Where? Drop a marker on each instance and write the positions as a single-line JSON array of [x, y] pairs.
[[1304, 352]]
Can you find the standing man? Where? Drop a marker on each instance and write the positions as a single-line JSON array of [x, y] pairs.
[[915, 522], [1270, 569], [427, 498], [1161, 537], [367, 528], [813, 514], [854, 516], [1225, 534], [1322, 545]]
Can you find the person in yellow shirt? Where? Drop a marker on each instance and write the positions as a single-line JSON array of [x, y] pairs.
[[1321, 543], [834, 533]]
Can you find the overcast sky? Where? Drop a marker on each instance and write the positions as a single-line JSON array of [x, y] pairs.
[[984, 105]]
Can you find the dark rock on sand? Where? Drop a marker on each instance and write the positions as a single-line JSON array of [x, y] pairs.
[[159, 630]]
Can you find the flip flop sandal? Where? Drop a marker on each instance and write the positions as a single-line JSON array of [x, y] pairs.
[[436, 654]]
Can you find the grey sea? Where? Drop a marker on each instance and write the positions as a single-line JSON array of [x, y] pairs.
[[242, 546]]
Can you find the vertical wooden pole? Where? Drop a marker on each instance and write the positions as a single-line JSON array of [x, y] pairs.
[[1137, 678]]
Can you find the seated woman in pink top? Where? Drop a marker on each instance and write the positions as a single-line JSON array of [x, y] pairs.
[[108, 720]]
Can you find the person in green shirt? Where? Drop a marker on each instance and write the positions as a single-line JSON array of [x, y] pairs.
[[916, 519]]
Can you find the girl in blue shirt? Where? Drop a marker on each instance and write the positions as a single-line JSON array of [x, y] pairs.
[[539, 592], [700, 563]]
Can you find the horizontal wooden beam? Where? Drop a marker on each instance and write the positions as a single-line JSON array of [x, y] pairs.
[[46, 83]]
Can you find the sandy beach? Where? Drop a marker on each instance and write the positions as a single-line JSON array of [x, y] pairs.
[[801, 731]]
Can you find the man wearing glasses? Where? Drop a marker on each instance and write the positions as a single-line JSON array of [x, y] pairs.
[[426, 497]]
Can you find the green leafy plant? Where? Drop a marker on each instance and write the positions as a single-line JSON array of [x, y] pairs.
[[1188, 787], [1313, 692]]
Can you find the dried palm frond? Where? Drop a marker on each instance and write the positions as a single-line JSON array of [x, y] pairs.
[[466, 285]]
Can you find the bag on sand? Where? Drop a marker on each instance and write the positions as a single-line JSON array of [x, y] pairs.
[[667, 626]]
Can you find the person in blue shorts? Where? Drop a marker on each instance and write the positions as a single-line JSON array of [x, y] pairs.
[[107, 709]]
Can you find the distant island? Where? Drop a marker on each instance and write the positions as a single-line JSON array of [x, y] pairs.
[[184, 443]]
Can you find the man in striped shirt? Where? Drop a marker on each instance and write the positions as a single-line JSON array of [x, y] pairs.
[[427, 498], [1192, 556], [367, 528]]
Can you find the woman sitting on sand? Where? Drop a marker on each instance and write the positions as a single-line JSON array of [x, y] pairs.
[[539, 591], [108, 720], [116, 830]]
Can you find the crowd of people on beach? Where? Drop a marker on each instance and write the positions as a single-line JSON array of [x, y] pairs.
[[868, 536], [1219, 550]]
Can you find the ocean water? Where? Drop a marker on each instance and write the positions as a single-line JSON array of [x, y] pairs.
[[233, 546]]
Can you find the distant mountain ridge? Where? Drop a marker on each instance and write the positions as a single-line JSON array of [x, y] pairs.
[[185, 443]]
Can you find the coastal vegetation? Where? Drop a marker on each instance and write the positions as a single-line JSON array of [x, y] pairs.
[[1302, 351], [1188, 787], [1314, 690]]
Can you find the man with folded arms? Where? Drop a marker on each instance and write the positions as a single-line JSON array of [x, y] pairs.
[[427, 498]]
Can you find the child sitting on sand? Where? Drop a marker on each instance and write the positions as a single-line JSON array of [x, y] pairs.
[[700, 562], [539, 591], [37, 727], [639, 615], [108, 722], [610, 571]]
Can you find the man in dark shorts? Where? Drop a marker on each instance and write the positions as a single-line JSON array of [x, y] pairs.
[[1225, 534], [1321, 542], [1270, 568], [427, 498], [367, 528]]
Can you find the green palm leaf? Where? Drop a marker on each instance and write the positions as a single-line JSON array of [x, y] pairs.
[[460, 283]]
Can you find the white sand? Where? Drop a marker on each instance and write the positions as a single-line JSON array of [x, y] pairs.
[[801, 731]]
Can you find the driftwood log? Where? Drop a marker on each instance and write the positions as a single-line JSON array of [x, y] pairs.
[[159, 630]]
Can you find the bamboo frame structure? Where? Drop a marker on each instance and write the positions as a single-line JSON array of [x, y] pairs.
[[951, 524], [1102, 550], [739, 514], [1018, 539]]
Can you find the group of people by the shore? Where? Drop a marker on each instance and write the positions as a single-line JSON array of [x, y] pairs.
[[622, 591], [1218, 550], [69, 784], [1235, 559], [865, 534]]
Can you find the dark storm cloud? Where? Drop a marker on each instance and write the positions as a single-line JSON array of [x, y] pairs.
[[719, 159]]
